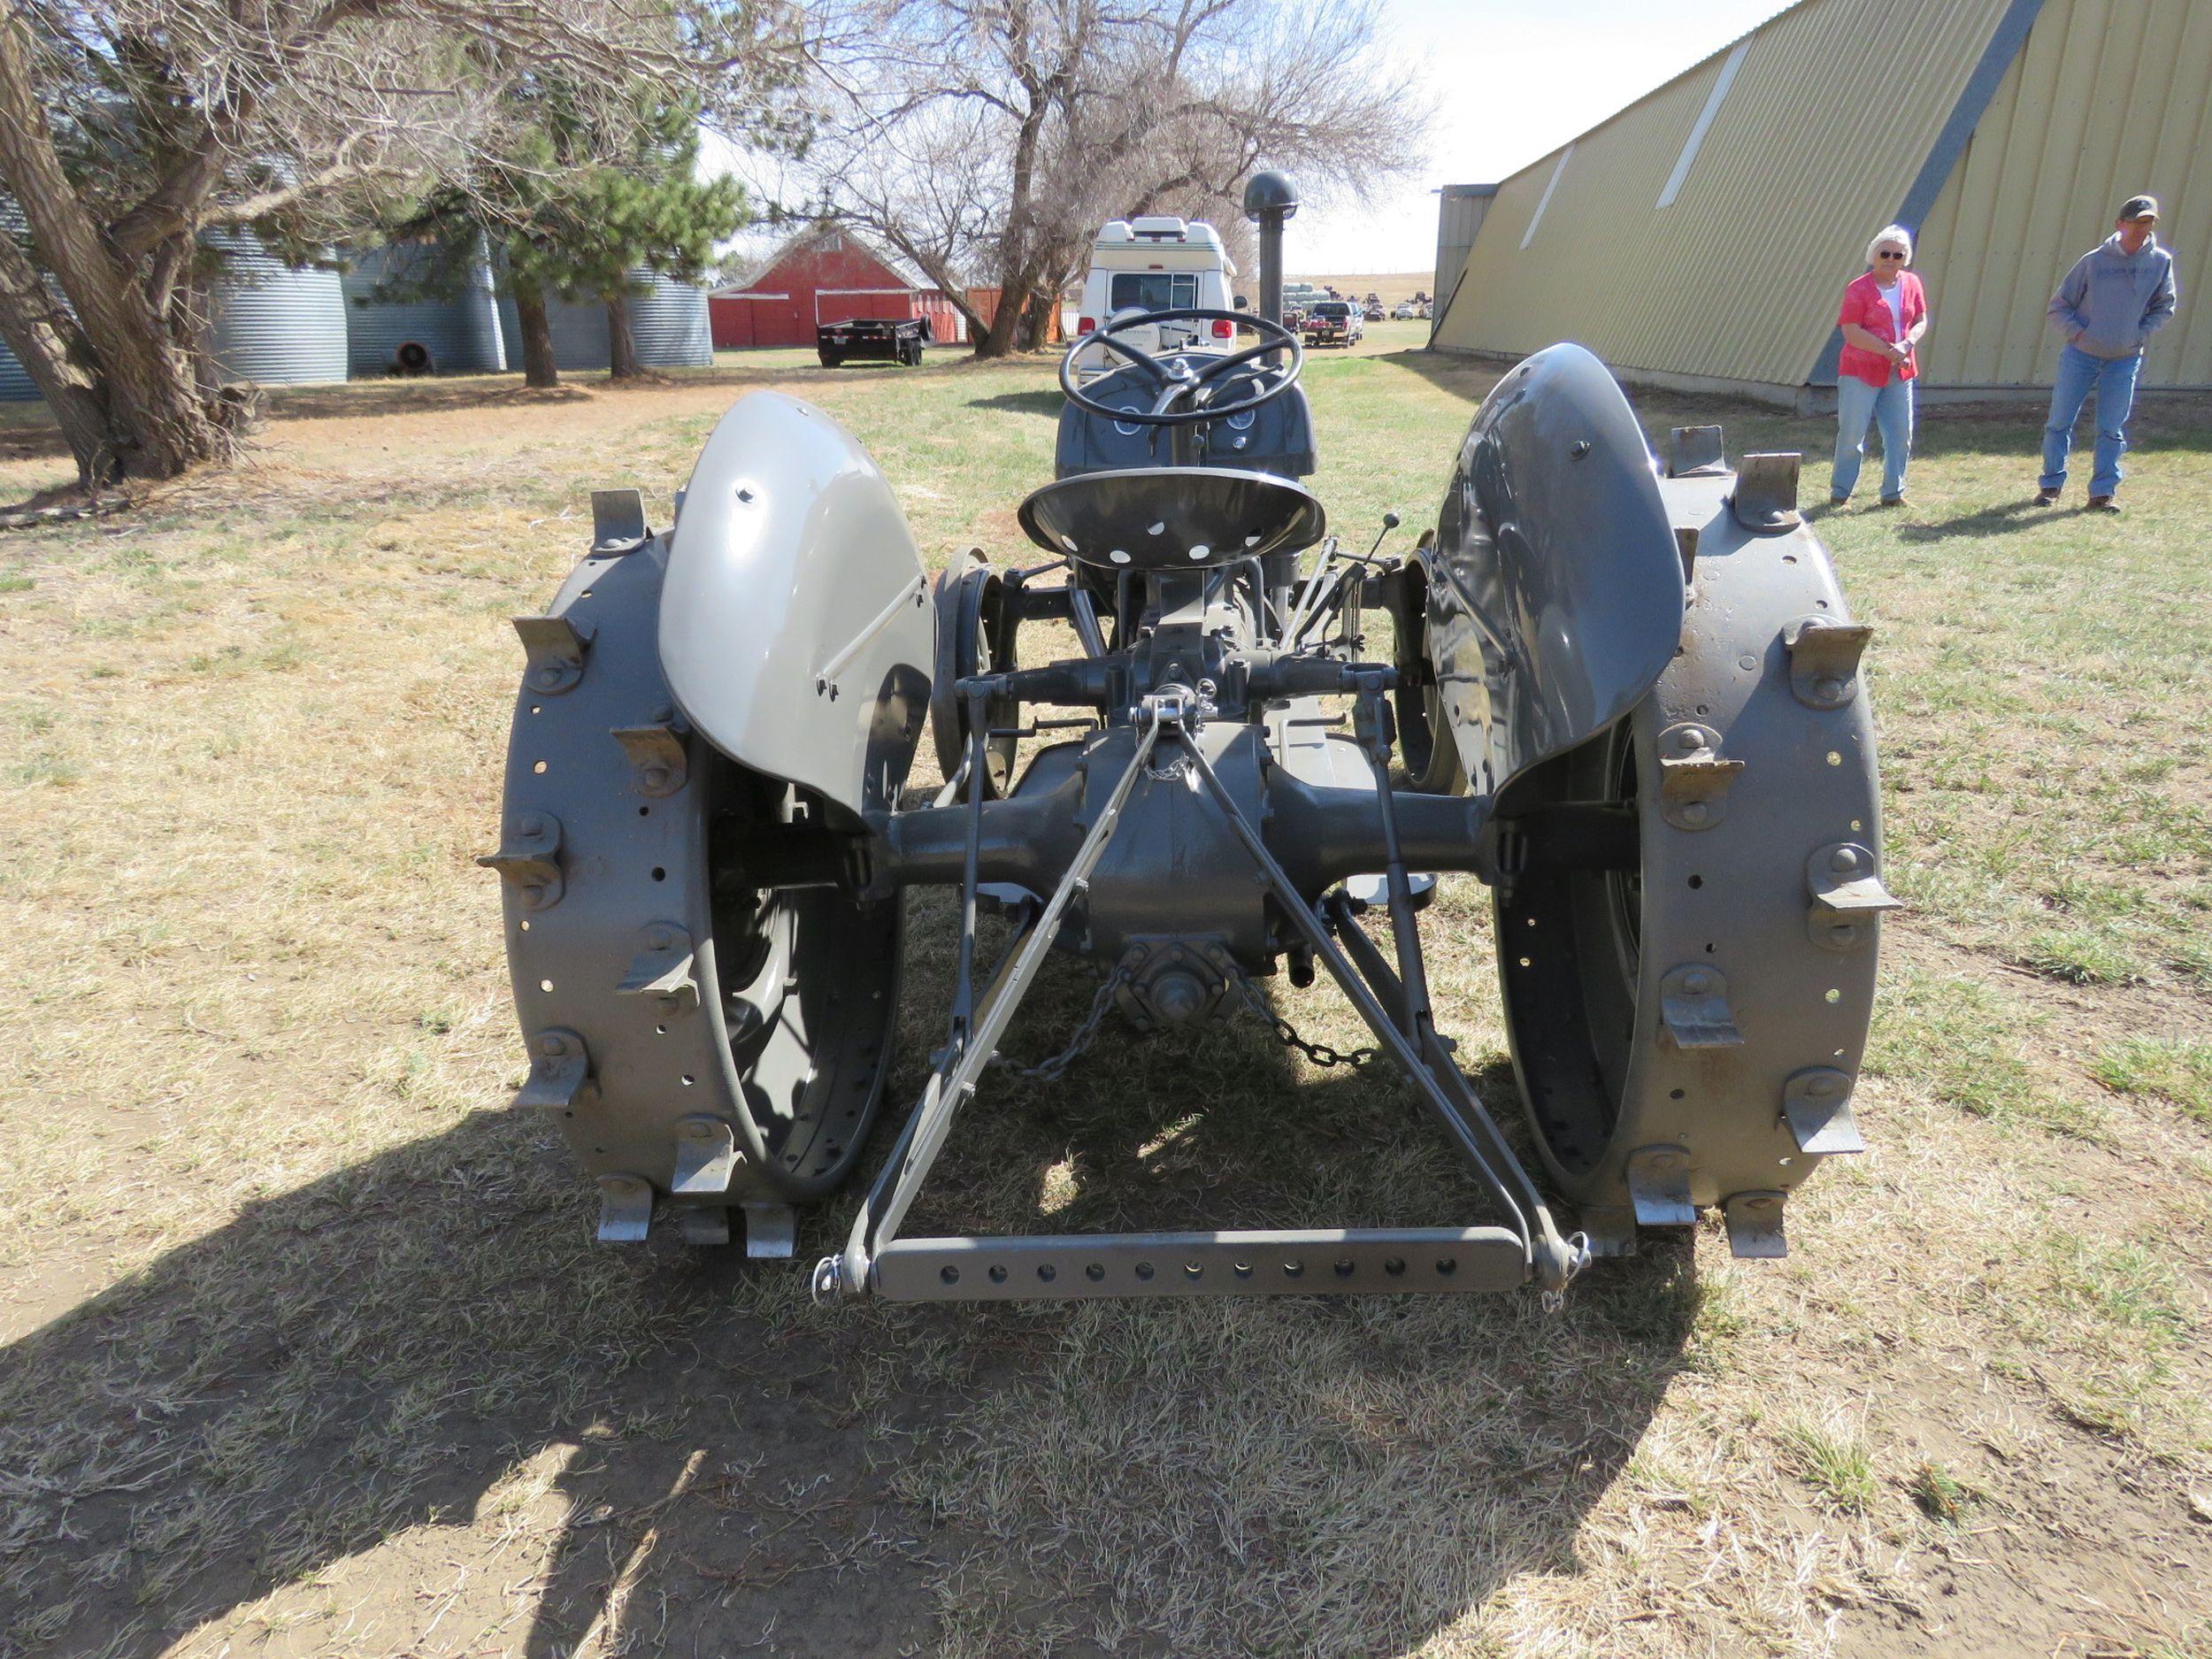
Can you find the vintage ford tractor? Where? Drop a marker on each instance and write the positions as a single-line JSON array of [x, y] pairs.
[[1624, 692]]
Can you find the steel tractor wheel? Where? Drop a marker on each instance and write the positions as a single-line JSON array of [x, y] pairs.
[[1686, 1024], [688, 1030]]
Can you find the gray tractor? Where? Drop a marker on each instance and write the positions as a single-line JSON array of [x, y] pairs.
[[1624, 692]]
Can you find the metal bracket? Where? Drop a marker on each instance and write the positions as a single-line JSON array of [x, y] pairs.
[[1322, 1261], [771, 1232], [1694, 779], [1766, 493], [1693, 449], [705, 1225], [1659, 1187], [625, 1209], [1817, 1105], [1754, 1225], [530, 860], [617, 521], [1847, 894], [658, 763], [1825, 659], [706, 1156], [1694, 1003], [560, 1070], [1685, 544], [555, 646], [663, 968]]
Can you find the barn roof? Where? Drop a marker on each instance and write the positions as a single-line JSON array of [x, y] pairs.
[[819, 236]]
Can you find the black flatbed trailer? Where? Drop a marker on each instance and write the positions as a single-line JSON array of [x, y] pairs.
[[872, 340]]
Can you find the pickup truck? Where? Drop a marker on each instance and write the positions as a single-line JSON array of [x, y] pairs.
[[872, 340], [1334, 323]]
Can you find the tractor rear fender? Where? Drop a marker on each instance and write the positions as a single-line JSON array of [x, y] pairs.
[[1554, 589], [795, 627]]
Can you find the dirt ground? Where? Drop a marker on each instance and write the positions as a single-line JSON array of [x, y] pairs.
[[304, 1349]]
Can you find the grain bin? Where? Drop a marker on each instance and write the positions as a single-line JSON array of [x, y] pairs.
[[274, 324], [668, 321], [408, 310], [15, 383]]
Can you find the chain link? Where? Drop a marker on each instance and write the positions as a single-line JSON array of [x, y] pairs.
[[1051, 1070], [1320, 1053]]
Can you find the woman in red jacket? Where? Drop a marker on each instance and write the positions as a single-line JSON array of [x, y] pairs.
[[1883, 315]]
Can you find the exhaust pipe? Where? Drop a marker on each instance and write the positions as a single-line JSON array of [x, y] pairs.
[[1270, 198]]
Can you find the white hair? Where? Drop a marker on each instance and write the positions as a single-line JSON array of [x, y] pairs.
[[1897, 233]]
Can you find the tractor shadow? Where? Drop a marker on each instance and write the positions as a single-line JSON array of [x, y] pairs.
[[420, 1356], [1049, 403]]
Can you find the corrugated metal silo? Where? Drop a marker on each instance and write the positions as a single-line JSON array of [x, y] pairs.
[[453, 334], [15, 384], [274, 325], [668, 321]]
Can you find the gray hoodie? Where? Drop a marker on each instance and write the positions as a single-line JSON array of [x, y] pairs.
[[2112, 302]]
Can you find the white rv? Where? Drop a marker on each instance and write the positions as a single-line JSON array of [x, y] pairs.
[[1155, 265]]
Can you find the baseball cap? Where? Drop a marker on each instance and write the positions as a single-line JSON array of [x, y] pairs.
[[2139, 207]]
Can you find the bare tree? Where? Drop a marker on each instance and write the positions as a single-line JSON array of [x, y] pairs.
[[993, 137], [127, 127]]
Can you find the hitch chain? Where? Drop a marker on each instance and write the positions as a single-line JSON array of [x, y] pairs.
[[1319, 1053], [1051, 1071]]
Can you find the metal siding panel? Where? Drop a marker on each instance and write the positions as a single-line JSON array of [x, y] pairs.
[[2106, 99], [274, 325], [462, 332], [668, 323], [1809, 153], [16, 386]]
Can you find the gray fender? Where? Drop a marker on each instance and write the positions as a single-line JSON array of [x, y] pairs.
[[795, 628], [1554, 595]]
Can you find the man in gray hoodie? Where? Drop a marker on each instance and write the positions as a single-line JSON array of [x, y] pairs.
[[2117, 295]]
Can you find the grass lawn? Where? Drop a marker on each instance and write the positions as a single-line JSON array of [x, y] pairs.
[[304, 1348]]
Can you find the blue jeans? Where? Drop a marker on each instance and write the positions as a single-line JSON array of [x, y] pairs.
[[2113, 379], [1890, 407]]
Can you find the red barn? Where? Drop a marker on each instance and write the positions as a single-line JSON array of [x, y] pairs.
[[826, 274]]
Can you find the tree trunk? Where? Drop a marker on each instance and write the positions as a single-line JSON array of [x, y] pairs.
[[622, 364], [157, 425], [54, 355], [538, 367]]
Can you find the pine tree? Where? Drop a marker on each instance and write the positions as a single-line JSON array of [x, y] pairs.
[[590, 230]]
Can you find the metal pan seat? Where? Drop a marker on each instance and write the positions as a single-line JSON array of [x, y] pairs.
[[1171, 517]]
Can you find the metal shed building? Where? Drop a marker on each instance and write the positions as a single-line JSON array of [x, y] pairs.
[[1702, 236], [826, 274]]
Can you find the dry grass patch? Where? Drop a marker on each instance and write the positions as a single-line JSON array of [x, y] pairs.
[[306, 1349]]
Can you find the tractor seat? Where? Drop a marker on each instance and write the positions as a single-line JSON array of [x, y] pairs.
[[1171, 517]]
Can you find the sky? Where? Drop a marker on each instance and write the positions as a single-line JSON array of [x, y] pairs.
[[1512, 79]]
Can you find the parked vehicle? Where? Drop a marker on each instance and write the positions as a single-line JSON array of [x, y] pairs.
[[1334, 323], [1157, 264], [872, 340], [1372, 311], [1403, 311]]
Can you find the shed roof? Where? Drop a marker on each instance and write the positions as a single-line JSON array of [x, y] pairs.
[[1702, 228], [814, 237]]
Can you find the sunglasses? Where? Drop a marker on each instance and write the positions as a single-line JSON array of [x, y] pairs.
[[1886, 254]]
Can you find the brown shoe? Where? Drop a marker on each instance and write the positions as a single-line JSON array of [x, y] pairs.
[[2103, 504], [1893, 501], [2047, 498]]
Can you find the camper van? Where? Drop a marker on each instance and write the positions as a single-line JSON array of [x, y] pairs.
[[1156, 263]]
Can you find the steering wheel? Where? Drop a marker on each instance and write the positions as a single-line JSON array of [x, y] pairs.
[[1174, 379]]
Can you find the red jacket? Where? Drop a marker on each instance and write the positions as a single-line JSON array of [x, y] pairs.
[[1863, 304]]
